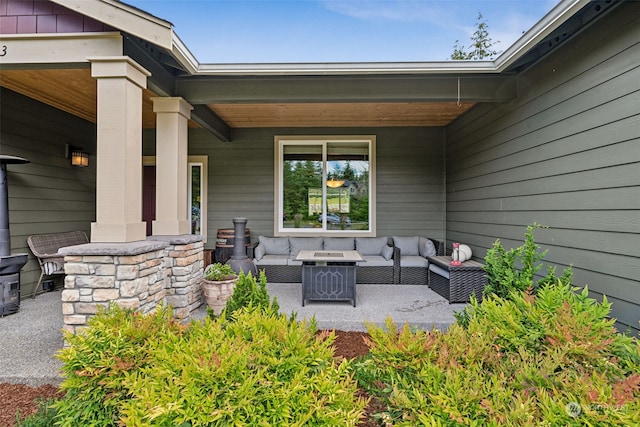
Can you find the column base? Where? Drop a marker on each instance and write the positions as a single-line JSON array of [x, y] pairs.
[[170, 227], [118, 233]]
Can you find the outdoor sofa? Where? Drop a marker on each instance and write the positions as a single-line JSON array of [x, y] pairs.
[[277, 257], [413, 252], [402, 262]]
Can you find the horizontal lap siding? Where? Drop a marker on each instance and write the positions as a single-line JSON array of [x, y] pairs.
[[565, 154], [47, 195], [410, 189]]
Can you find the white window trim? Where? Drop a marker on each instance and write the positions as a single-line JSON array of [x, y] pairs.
[[280, 141], [203, 162]]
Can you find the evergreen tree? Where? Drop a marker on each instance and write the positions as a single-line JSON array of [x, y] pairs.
[[481, 46]]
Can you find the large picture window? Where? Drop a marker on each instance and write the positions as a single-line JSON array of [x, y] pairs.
[[325, 185]]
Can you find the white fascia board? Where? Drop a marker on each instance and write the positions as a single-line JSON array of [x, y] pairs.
[[346, 68], [61, 48], [183, 55], [550, 22], [126, 18]]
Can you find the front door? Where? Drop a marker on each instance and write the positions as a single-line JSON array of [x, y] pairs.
[[149, 197]]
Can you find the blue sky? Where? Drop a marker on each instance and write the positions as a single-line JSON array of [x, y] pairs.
[[259, 31]]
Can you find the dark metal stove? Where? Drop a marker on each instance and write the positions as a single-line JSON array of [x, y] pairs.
[[10, 265], [239, 261]]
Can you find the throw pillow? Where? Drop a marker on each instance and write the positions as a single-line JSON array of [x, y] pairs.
[[387, 252], [258, 252], [427, 248]]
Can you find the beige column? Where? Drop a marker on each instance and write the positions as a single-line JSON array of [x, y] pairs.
[[172, 134], [120, 81]]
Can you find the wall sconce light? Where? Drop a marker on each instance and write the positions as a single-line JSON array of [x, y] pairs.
[[78, 157]]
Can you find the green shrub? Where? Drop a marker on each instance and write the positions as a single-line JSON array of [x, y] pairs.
[[43, 418], [250, 292], [259, 369], [527, 360], [515, 269], [219, 272], [98, 359]]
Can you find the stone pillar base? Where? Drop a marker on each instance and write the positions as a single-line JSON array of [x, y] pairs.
[[136, 275]]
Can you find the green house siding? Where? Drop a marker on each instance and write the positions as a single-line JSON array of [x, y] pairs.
[[564, 154], [409, 162], [47, 195]]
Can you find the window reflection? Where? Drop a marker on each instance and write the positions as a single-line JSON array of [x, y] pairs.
[[325, 185]]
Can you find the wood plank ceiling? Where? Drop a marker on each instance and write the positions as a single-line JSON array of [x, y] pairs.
[[74, 91]]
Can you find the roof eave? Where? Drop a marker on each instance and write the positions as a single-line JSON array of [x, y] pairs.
[[347, 68], [160, 32], [550, 22], [125, 18]]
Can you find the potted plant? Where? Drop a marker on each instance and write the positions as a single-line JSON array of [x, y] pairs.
[[218, 284]]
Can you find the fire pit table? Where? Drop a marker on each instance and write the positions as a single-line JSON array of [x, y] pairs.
[[329, 275]]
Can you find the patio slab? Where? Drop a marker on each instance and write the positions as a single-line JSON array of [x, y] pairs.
[[416, 305], [30, 338]]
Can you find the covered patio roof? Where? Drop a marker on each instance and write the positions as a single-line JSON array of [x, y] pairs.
[[228, 96]]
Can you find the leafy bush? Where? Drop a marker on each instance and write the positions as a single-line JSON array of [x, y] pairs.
[[515, 269], [43, 418], [259, 369], [218, 272], [98, 359], [250, 292], [548, 359]]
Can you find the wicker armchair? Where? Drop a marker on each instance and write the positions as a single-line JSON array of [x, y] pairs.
[[410, 273], [45, 249]]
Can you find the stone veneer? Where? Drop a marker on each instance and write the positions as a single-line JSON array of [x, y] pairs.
[[138, 275]]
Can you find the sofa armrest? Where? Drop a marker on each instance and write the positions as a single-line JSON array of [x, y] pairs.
[[396, 264], [251, 250], [439, 247]]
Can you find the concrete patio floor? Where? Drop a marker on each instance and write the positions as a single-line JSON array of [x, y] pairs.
[[30, 338]]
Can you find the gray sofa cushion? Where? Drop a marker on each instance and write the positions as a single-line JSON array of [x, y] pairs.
[[413, 261], [408, 245], [298, 244], [371, 245], [275, 245], [426, 247], [339, 243], [439, 270], [271, 260], [375, 261], [259, 252], [292, 261], [387, 252]]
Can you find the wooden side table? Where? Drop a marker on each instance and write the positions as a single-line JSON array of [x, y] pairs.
[[461, 282]]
